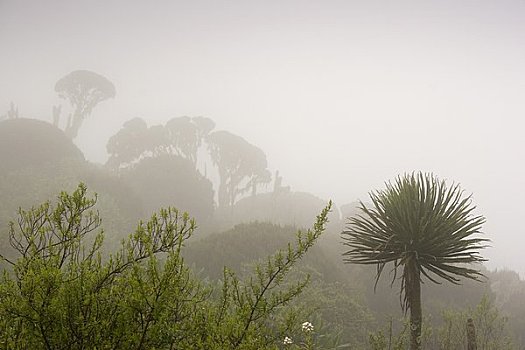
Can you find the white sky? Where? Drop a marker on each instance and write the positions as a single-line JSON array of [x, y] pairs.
[[341, 95]]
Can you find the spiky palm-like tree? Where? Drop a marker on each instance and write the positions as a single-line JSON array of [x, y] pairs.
[[422, 227]]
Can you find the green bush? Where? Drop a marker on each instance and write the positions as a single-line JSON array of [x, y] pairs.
[[61, 293]]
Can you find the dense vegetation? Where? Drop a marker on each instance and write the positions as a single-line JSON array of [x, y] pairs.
[[162, 283], [60, 292]]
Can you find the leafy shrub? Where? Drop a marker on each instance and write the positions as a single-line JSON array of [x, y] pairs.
[[60, 293]]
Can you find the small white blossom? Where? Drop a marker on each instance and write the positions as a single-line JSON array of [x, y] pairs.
[[287, 341], [307, 327]]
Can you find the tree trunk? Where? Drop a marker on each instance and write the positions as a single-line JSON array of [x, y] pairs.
[[413, 290], [223, 191], [77, 122], [73, 125]]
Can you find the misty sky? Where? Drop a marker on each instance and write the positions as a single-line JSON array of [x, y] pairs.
[[341, 95]]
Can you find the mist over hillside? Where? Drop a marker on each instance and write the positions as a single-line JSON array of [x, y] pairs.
[[350, 94], [252, 116]]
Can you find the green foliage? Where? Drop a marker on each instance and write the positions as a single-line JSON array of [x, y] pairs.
[[38, 161], [118, 205], [422, 227], [509, 290], [417, 218], [396, 335], [337, 308], [248, 244], [492, 329], [386, 339], [60, 293], [340, 314]]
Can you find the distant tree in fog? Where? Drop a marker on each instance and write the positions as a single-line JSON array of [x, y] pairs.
[[422, 227], [180, 136], [184, 137], [84, 90], [136, 141], [128, 143], [157, 141], [242, 166], [204, 126]]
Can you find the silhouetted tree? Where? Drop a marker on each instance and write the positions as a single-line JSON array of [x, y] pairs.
[[187, 134], [128, 143], [421, 226], [184, 137], [242, 166], [157, 141], [180, 136], [204, 126], [135, 141], [84, 90]]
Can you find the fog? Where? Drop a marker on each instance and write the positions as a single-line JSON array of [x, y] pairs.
[[341, 95]]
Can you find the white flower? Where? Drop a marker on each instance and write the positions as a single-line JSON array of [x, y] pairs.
[[307, 327], [287, 341]]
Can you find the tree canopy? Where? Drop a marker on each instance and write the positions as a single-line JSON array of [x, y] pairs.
[[128, 143], [180, 136]]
